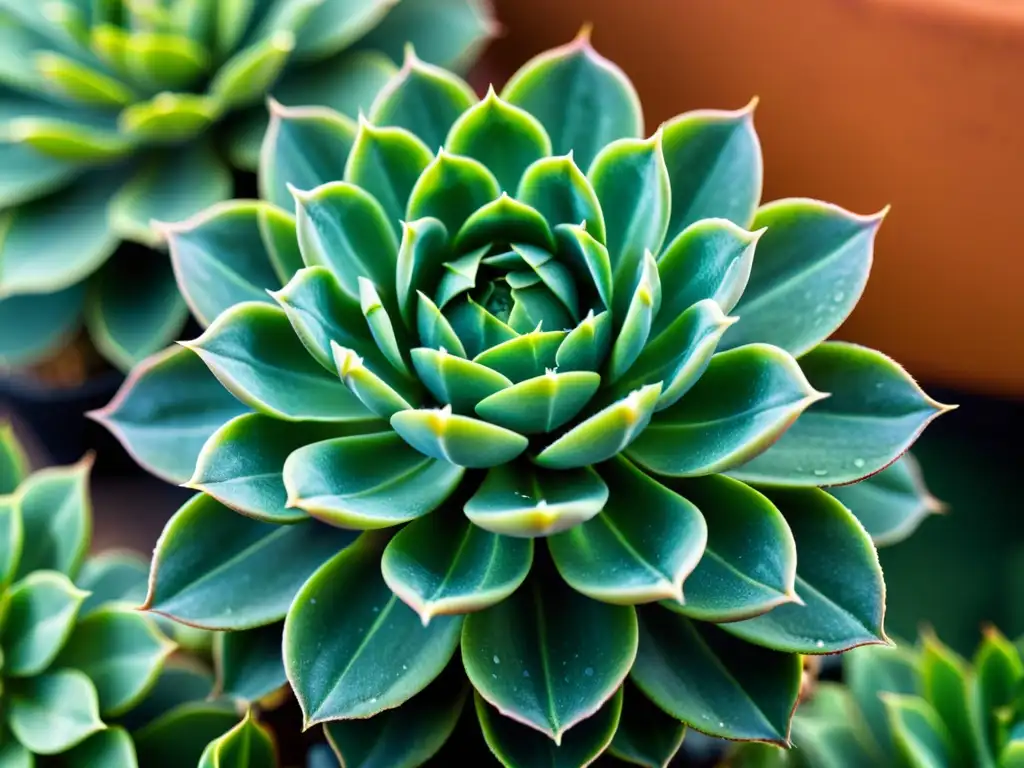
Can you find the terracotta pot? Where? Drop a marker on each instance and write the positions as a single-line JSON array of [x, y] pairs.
[[863, 103]]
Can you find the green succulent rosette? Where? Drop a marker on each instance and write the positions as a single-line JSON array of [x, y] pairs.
[[86, 680], [911, 707], [115, 113], [508, 389]]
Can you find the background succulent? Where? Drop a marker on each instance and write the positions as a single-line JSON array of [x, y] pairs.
[[912, 707], [117, 112], [83, 675], [506, 405]]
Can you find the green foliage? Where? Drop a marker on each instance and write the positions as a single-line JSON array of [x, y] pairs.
[[912, 707], [119, 115], [565, 426], [82, 673]]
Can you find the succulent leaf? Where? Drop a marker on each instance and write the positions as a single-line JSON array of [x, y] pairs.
[[249, 664], [561, 192], [655, 553], [548, 657], [12, 534], [247, 745], [110, 747], [712, 681], [39, 615], [382, 659], [54, 712], [646, 735], [200, 586], [460, 440]]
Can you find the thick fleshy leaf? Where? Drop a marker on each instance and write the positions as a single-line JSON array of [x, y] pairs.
[[540, 404], [111, 748], [503, 137], [587, 345], [524, 357], [113, 576], [708, 260], [526, 501], [424, 100], [181, 735], [367, 481], [459, 276], [247, 745], [811, 267], [605, 434], [625, 558], [875, 670], [837, 576], [56, 517], [998, 675], [352, 649], [714, 165], [891, 504], [444, 564], [14, 466], [128, 326], [517, 746], [342, 227], [210, 565], [249, 664], [168, 118], [679, 356], [749, 562], [421, 254], [714, 682], [34, 326], [547, 656], [477, 328], [874, 413], [321, 313], [745, 400], [166, 410], [12, 534], [459, 440], [646, 736], [631, 182], [557, 188], [405, 737], [384, 332], [241, 464], [220, 256], [435, 330], [53, 712], [376, 394], [304, 147], [636, 326], [333, 26], [173, 186], [386, 162], [945, 684], [253, 351], [920, 737], [121, 651], [39, 614], [451, 189], [347, 84], [583, 100], [504, 220], [588, 260], [447, 33], [455, 381]]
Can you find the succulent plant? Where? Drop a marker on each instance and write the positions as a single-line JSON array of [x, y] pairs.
[[114, 113], [911, 707], [529, 410], [83, 675]]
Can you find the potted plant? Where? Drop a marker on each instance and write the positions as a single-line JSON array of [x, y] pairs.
[[543, 431], [913, 706], [119, 113]]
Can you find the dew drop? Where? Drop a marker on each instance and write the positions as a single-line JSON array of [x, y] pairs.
[[820, 472], [721, 724], [819, 644], [858, 463], [312, 601], [838, 296], [373, 700], [526, 673], [589, 671], [496, 659], [494, 676]]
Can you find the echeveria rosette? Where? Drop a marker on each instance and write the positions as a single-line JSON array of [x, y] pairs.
[[528, 391], [85, 678], [114, 114], [911, 706]]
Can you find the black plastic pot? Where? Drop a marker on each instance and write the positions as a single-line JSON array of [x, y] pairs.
[[54, 418]]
